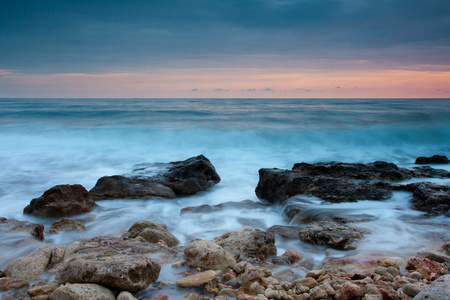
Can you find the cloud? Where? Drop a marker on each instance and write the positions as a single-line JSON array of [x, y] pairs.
[[221, 90], [251, 90], [303, 90], [268, 90], [194, 90]]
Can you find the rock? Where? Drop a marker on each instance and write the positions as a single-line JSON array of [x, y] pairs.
[[318, 293], [437, 257], [159, 297], [349, 291], [57, 254], [252, 243], [190, 296], [29, 267], [415, 275], [66, 224], [388, 262], [426, 267], [435, 159], [152, 233], [411, 290], [132, 272], [292, 255], [7, 284], [177, 178], [86, 291], [332, 234], [446, 247], [431, 198], [388, 295], [12, 225], [307, 281], [207, 255], [61, 201], [439, 289], [42, 290], [245, 204], [289, 232], [124, 295], [428, 172], [196, 280]]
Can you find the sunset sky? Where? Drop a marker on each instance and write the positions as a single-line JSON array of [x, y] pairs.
[[216, 49]]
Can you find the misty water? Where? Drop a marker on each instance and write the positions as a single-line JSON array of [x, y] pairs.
[[46, 142]]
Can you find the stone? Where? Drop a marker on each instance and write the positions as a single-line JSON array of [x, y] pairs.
[[176, 178], [332, 234], [415, 275], [197, 280], [152, 233], [388, 262], [205, 208], [29, 267], [349, 291], [125, 295], [426, 267], [431, 198], [434, 256], [388, 295], [207, 255], [307, 281], [86, 291], [439, 289], [411, 290], [190, 296], [130, 272], [292, 255], [57, 254], [7, 284], [66, 224], [252, 243], [42, 290], [159, 297], [289, 232], [318, 293], [435, 159], [61, 201], [13, 225]]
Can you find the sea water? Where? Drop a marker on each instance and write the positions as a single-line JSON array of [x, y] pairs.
[[46, 142]]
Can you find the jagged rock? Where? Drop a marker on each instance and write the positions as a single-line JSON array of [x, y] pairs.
[[245, 204], [289, 232], [431, 198], [197, 280], [86, 291], [110, 268], [29, 267], [428, 172], [435, 159], [437, 257], [61, 201], [42, 290], [427, 268], [66, 224], [12, 225], [332, 234], [7, 284], [152, 233], [207, 255], [349, 291], [292, 255], [176, 178], [250, 243], [439, 289]]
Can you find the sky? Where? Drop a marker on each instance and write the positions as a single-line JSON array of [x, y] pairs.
[[223, 49]]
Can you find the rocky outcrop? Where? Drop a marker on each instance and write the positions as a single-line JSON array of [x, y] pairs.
[[435, 159], [429, 269], [86, 291], [169, 180], [332, 234], [248, 243], [207, 255], [12, 225], [29, 267], [152, 233], [132, 272], [66, 224], [61, 201], [205, 208], [288, 232], [431, 198]]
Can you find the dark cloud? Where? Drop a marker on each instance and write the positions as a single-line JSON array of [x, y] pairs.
[[108, 35]]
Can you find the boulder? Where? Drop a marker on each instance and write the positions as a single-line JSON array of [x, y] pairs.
[[66, 224], [197, 280], [169, 180], [61, 201], [435, 159], [110, 268], [86, 291], [29, 267], [431, 198], [207, 255], [439, 289], [152, 233], [288, 232], [12, 225], [332, 234], [252, 243]]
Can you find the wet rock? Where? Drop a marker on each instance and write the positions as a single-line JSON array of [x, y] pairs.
[[245, 204], [439, 289], [435, 159], [61, 201], [177, 178], [431, 198], [196, 280], [289, 232], [427, 268], [7, 284], [12, 225], [428, 172], [43, 290], [152, 233], [253, 243], [57, 254], [132, 272], [29, 267], [85, 291], [332, 234], [292, 255], [66, 224], [349, 291], [207, 255]]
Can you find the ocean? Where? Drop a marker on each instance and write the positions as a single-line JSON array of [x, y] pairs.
[[46, 142]]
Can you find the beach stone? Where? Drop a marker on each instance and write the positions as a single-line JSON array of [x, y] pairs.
[[125, 295], [253, 243], [29, 267], [207, 255], [152, 233], [349, 291], [411, 290], [439, 289], [415, 275], [7, 284], [131, 272], [13, 225], [435, 159], [431, 198], [307, 281], [197, 280], [318, 293], [332, 234], [57, 254], [426, 267], [86, 291], [61, 201], [292, 255], [66, 224], [159, 297], [42, 290], [388, 262]]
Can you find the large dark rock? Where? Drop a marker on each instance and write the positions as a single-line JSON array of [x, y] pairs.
[[159, 180], [12, 225], [61, 201], [431, 198], [435, 159]]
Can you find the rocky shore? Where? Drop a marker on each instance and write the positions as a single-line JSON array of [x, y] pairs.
[[242, 264]]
